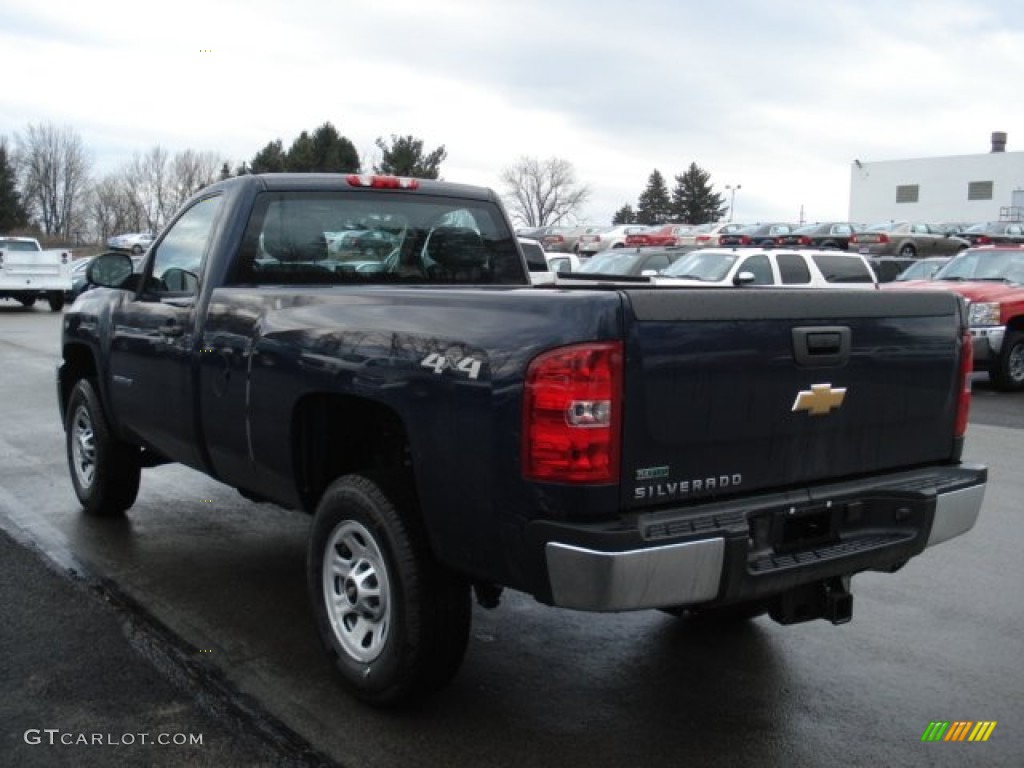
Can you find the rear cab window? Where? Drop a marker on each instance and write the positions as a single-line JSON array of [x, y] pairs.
[[343, 236]]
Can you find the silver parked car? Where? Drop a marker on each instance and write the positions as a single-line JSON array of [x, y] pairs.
[[907, 239]]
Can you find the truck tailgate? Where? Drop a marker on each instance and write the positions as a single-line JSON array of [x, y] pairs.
[[19, 263], [737, 391]]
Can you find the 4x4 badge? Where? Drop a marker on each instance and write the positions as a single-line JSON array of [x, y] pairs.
[[819, 400]]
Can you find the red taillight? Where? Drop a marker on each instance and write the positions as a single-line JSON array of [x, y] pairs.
[[854, 239], [382, 182], [883, 238], [572, 414], [744, 239], [963, 406], [983, 240], [804, 240], [702, 238]]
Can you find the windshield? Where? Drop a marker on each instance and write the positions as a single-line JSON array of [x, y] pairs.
[[707, 266], [610, 263], [921, 270], [984, 265], [888, 226]]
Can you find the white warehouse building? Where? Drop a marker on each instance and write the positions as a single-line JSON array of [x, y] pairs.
[[961, 188]]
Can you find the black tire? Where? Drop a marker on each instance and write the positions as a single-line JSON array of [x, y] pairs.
[[136, 249], [1007, 372], [105, 471], [56, 301], [394, 621], [908, 251], [27, 301]]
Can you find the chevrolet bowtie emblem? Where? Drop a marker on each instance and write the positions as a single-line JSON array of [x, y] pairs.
[[819, 400]]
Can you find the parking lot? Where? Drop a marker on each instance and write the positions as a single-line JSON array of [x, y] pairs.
[[939, 640]]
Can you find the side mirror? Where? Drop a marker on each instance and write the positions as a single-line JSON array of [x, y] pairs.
[[744, 278], [109, 270]]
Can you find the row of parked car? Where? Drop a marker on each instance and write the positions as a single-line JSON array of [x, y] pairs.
[[906, 239], [989, 276]]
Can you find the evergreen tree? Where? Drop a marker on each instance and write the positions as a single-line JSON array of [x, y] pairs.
[[225, 171], [404, 157], [654, 205], [325, 151], [625, 215], [12, 213], [332, 152], [301, 156], [693, 198], [270, 159]]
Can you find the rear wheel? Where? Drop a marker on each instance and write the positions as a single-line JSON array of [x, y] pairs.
[[394, 620], [1008, 370], [56, 301], [105, 471]]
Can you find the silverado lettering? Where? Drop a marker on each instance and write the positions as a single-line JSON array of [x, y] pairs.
[[683, 487]]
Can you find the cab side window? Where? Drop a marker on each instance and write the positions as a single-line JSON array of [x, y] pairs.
[[761, 269], [793, 269], [179, 256]]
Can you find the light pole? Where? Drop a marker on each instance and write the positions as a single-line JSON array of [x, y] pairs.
[[732, 196]]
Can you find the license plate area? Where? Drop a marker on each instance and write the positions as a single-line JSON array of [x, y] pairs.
[[794, 529], [805, 529]]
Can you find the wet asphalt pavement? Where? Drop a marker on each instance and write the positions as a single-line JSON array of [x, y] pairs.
[[189, 617]]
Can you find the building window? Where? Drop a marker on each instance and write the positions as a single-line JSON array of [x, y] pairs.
[[979, 190], [906, 193]]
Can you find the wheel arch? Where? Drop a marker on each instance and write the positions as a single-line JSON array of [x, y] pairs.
[[335, 434], [1016, 323], [78, 363]]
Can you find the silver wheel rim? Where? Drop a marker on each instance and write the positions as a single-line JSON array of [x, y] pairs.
[[1015, 365], [83, 447], [357, 594]]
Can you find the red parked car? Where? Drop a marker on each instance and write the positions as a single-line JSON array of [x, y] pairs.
[[659, 234]]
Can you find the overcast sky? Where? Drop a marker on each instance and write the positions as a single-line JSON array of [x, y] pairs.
[[778, 97]]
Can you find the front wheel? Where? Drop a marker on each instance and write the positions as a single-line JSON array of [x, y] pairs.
[[56, 301], [394, 620], [27, 301], [1008, 369], [105, 471], [908, 251]]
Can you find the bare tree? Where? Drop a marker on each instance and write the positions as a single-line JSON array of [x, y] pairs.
[[190, 172], [146, 179], [543, 192], [111, 209], [54, 169]]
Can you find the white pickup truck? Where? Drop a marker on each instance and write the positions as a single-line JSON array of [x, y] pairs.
[[27, 272]]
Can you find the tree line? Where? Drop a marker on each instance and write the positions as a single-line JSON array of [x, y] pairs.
[[691, 201], [47, 186]]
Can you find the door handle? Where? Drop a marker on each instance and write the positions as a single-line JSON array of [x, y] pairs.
[[818, 346]]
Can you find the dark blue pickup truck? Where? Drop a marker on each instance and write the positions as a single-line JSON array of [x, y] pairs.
[[369, 350]]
